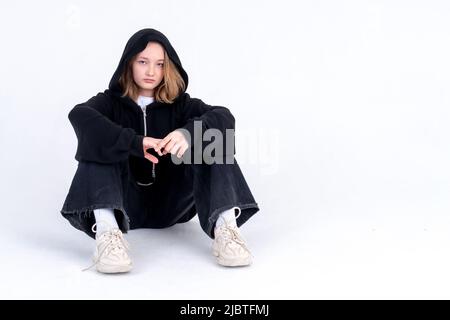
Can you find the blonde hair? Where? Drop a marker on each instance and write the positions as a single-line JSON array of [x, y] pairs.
[[170, 87]]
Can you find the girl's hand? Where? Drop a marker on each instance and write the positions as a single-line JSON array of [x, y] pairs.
[[149, 143], [174, 142]]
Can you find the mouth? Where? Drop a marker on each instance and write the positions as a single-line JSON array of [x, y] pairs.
[[149, 80]]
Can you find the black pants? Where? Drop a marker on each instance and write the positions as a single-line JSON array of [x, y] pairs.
[[176, 196]]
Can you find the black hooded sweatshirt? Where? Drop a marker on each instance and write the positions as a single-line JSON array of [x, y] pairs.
[[110, 128]]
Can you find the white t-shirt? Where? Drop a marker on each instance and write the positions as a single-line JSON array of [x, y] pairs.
[[144, 101]]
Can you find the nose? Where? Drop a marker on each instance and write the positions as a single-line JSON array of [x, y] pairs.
[[150, 70]]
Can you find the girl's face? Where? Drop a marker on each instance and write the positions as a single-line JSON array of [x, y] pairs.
[[149, 65]]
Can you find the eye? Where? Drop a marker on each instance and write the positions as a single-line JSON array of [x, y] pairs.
[[161, 64], [141, 61]]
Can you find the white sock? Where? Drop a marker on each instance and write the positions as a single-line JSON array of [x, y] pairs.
[[228, 216], [105, 220]]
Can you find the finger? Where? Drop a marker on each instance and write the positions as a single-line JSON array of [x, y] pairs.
[[175, 148], [158, 151], [163, 142], [155, 142], [181, 152], [162, 149], [151, 158], [156, 146], [186, 147], [168, 148], [151, 144]]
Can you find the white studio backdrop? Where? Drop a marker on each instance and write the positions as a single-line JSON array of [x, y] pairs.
[[342, 132]]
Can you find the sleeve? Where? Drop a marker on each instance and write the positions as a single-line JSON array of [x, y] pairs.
[[208, 117], [100, 139]]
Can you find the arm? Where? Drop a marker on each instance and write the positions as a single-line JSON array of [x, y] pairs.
[[99, 138], [211, 117]]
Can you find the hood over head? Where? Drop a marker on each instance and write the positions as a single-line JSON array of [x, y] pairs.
[[137, 43]]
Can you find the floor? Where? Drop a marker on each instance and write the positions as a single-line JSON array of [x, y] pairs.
[[320, 258]]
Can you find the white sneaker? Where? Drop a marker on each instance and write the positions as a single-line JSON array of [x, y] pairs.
[[111, 252], [229, 247]]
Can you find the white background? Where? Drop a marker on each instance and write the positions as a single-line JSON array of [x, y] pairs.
[[342, 123]]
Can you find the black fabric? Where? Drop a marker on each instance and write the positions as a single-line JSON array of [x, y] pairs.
[[110, 128], [136, 44], [174, 197]]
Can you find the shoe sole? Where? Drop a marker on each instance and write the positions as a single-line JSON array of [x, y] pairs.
[[232, 262], [104, 268]]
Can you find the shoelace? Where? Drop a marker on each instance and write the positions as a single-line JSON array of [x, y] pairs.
[[115, 241]]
